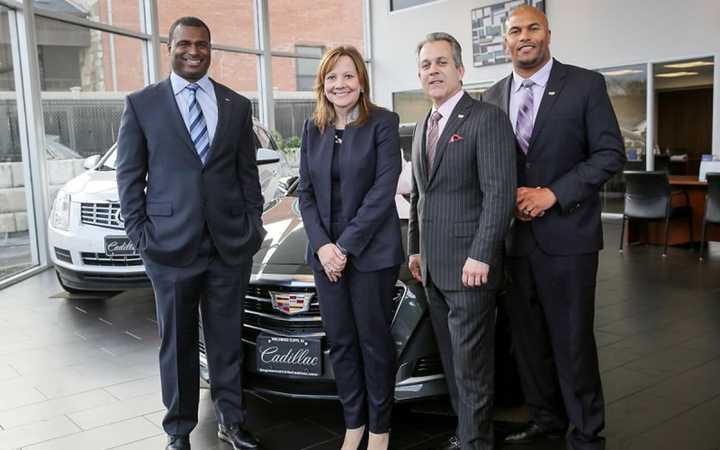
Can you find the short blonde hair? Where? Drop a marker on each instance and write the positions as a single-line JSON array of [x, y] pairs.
[[324, 114]]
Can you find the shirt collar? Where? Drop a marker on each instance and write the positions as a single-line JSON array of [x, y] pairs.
[[447, 108], [179, 83], [540, 77]]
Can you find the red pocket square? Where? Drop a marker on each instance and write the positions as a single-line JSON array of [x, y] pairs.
[[455, 138]]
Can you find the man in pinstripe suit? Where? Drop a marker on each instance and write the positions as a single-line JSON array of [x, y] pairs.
[[462, 200]]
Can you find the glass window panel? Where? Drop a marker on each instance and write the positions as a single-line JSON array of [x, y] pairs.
[[684, 105], [324, 23], [293, 102], [305, 68], [627, 88], [119, 13], [411, 106], [231, 22], [15, 251], [402, 4], [84, 82]]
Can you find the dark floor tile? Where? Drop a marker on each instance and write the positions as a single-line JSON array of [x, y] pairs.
[[602, 339], [611, 358], [330, 444], [432, 443], [622, 382], [696, 429], [650, 343], [294, 435], [674, 360], [639, 412], [695, 386]]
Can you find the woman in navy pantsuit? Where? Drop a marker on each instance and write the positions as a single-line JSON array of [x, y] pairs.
[[350, 161]]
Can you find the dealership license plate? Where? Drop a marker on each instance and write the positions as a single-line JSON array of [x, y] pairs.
[[288, 355], [119, 246]]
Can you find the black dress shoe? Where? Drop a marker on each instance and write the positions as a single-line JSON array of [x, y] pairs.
[[236, 436], [452, 444], [178, 443], [532, 433]]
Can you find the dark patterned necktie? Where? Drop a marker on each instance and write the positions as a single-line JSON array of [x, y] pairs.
[[433, 135], [526, 110]]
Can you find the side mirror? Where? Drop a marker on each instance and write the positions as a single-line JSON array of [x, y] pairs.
[[267, 156], [91, 162]]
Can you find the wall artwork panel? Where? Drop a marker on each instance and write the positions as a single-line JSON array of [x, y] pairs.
[[487, 30]]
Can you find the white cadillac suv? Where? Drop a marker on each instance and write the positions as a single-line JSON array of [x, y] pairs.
[[86, 233]]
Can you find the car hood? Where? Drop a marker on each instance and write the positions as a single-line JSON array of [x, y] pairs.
[[283, 250], [281, 258], [93, 186]]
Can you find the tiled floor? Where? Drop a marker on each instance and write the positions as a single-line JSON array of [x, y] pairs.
[[81, 373]]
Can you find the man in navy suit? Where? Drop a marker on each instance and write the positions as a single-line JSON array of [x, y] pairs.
[[568, 146], [190, 196]]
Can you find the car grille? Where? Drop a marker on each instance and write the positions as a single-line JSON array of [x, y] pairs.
[[103, 259], [63, 255], [106, 215], [261, 317]]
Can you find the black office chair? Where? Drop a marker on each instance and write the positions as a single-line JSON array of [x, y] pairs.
[[712, 207], [648, 197]]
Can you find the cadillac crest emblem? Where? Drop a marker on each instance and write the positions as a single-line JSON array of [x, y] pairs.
[[291, 303]]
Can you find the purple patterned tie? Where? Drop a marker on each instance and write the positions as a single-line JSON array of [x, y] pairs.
[[433, 134], [526, 110]]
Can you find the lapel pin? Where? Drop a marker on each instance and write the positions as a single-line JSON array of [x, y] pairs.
[[227, 99], [551, 93], [460, 116]]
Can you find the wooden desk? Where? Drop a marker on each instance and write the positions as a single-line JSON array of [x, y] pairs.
[[652, 232]]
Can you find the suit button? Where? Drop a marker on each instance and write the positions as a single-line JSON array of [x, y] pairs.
[[528, 165]]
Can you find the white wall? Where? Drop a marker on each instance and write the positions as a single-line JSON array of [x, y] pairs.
[[589, 33]]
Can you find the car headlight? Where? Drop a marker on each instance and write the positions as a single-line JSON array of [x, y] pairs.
[[60, 212]]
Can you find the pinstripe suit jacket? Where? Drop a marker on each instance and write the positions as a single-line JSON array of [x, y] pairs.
[[462, 206]]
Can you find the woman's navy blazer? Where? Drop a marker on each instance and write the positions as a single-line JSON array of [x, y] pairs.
[[370, 164]]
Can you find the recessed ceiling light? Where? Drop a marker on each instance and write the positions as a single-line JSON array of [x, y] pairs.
[[619, 73], [689, 65], [676, 74]]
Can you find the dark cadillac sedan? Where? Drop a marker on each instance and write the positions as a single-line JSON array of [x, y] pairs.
[[286, 349]]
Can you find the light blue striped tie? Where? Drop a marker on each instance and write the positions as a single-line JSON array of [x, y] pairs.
[[198, 127]]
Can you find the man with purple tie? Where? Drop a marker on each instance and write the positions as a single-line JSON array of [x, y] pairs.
[[568, 146], [191, 200]]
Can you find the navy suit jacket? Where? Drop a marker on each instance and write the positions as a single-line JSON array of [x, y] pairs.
[[575, 147], [370, 165], [168, 197]]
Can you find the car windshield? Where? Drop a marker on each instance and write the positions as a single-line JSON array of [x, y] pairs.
[[107, 162]]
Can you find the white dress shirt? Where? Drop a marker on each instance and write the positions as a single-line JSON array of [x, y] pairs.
[[540, 78], [205, 97], [445, 110]]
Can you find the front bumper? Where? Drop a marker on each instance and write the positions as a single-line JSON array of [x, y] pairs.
[[99, 281], [419, 374], [79, 257]]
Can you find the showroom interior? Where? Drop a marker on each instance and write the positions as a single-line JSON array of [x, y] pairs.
[[78, 326]]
